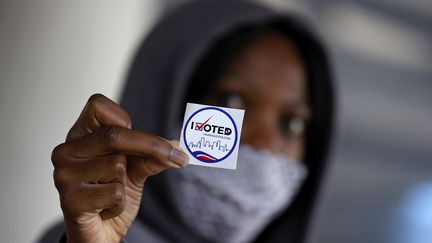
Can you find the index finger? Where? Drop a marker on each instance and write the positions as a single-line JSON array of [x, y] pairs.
[[115, 139]]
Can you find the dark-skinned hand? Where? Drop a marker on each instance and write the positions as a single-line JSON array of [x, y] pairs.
[[101, 168]]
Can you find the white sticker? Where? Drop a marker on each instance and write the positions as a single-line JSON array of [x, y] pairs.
[[211, 135]]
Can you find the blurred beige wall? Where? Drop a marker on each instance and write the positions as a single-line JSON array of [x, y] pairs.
[[53, 55]]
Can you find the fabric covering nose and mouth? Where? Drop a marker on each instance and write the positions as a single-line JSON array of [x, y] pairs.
[[155, 97], [233, 206], [160, 79]]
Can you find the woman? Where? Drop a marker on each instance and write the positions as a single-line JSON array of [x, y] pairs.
[[226, 53]]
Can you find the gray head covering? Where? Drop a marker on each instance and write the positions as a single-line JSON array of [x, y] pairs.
[[159, 80]]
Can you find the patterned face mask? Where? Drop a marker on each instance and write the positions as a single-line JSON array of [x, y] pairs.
[[236, 205]]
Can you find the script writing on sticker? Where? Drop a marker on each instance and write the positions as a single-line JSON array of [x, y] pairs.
[[211, 135]]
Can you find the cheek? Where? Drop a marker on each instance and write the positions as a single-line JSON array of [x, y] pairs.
[[295, 148], [262, 133]]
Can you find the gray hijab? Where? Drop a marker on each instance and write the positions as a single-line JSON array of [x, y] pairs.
[[156, 92]]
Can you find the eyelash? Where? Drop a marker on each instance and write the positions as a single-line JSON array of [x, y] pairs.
[[293, 126], [290, 125]]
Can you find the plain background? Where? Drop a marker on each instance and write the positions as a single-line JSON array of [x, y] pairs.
[[55, 54]]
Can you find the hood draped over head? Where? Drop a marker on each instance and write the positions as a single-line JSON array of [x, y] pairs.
[[167, 70]]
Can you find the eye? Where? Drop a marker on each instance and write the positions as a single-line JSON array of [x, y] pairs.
[[293, 126], [230, 100]]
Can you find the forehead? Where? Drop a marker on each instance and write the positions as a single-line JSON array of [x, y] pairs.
[[271, 63]]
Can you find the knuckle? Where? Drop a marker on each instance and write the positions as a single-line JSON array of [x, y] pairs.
[[95, 102], [60, 180], [127, 118], [120, 167], [57, 155], [96, 99], [118, 192], [98, 103], [119, 159], [110, 135], [58, 175], [160, 148]]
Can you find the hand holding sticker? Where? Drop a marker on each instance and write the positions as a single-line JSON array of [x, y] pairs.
[[211, 135]]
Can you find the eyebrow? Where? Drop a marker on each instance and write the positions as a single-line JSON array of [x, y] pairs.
[[239, 78], [300, 105], [236, 76], [297, 103]]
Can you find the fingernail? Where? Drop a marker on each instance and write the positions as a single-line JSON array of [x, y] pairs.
[[179, 157]]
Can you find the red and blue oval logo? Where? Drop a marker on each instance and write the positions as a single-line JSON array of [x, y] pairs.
[[210, 134]]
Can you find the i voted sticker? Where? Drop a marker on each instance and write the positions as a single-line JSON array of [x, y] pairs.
[[211, 135]]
